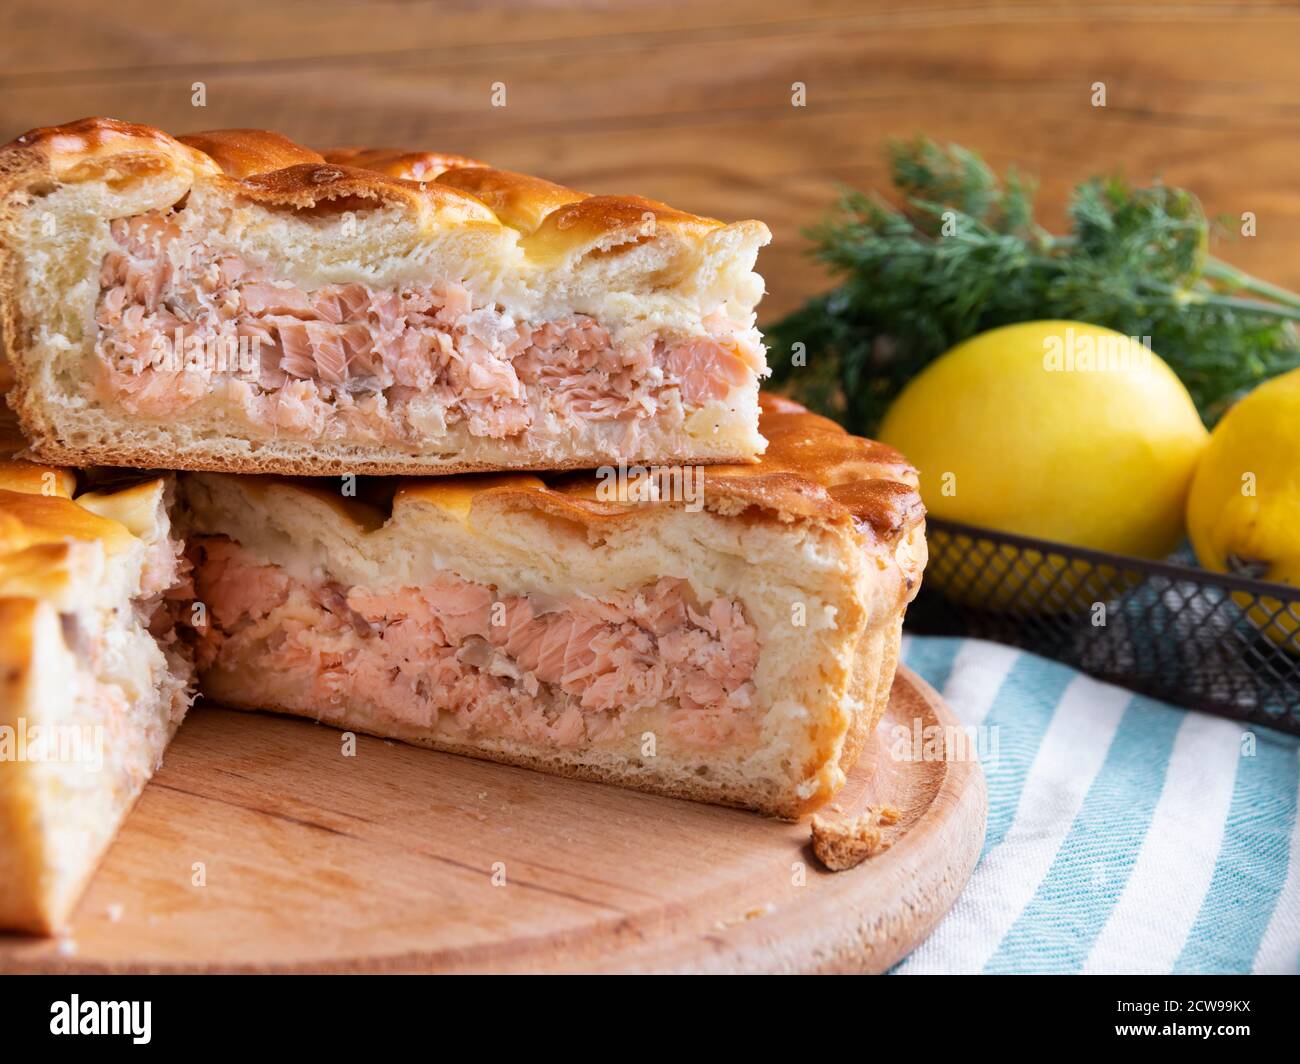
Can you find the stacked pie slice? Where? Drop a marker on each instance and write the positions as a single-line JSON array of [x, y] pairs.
[[93, 677], [234, 302], [641, 571]]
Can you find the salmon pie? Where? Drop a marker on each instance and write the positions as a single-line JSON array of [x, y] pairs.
[[733, 641], [233, 301], [93, 678]]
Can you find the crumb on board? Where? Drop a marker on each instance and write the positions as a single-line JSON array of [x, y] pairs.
[[843, 844], [114, 913], [749, 914]]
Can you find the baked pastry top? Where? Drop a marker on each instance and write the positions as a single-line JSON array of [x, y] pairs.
[[42, 528], [448, 190], [813, 470]]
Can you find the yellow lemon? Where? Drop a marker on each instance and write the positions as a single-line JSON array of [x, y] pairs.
[[1054, 429], [1243, 512]]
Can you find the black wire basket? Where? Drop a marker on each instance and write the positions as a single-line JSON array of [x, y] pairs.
[[1212, 641]]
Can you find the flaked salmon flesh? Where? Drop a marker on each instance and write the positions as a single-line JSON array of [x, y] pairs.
[[377, 365], [453, 657]]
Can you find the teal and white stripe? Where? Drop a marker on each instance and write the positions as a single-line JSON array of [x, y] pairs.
[[1124, 835]]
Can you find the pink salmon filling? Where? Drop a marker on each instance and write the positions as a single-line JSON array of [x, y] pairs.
[[382, 366], [452, 658]]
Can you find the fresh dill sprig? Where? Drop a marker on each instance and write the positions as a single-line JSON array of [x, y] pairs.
[[964, 254]]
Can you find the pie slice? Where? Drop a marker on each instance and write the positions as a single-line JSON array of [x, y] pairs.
[[233, 301], [93, 679], [727, 633]]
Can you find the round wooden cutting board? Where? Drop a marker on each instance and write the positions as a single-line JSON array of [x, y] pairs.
[[259, 847]]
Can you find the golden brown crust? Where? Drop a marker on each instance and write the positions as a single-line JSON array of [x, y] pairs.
[[306, 185], [398, 162], [519, 200], [89, 147], [245, 152], [812, 470], [272, 169], [42, 528]]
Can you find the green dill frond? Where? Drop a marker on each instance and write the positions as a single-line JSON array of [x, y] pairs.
[[962, 253]]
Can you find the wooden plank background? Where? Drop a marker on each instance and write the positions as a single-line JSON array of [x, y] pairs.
[[691, 103]]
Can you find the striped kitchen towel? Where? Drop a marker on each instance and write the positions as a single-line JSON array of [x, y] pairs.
[[1124, 835]]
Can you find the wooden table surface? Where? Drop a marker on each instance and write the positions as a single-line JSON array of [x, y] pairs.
[[691, 103]]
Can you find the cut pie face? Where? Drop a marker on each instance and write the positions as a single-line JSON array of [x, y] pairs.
[[736, 651], [233, 301], [93, 679]]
